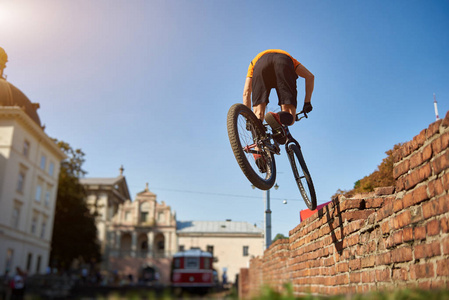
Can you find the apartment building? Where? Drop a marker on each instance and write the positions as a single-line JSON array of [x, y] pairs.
[[231, 243], [29, 170]]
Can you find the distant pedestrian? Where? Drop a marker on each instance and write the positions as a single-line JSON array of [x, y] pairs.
[[224, 277], [17, 285]]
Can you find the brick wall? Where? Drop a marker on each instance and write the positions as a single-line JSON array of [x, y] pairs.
[[394, 237]]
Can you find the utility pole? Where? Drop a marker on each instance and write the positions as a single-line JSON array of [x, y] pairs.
[[436, 108], [267, 219]]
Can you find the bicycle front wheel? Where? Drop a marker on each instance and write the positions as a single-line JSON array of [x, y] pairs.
[[246, 133], [302, 176]]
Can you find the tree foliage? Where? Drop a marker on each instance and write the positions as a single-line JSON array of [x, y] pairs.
[[279, 236], [74, 230], [381, 177]]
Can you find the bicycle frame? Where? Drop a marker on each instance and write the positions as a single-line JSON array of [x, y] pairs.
[[273, 147]]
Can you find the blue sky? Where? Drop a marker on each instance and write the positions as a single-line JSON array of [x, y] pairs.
[[147, 85]]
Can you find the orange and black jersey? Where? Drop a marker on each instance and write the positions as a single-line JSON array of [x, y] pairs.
[[253, 62]]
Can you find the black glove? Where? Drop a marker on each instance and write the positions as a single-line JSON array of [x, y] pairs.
[[307, 107]]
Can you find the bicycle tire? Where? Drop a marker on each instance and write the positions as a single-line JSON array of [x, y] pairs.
[[244, 131], [302, 176]]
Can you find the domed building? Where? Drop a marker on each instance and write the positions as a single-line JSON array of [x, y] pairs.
[[29, 170]]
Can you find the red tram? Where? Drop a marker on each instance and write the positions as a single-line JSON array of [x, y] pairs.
[[192, 270]]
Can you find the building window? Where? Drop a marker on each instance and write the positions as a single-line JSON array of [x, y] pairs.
[[38, 265], [44, 226], [161, 245], [9, 259], [161, 217], [15, 217], [143, 216], [191, 263], [210, 249], [43, 162], [245, 250], [47, 196], [38, 194], [26, 148], [21, 181], [181, 247], [29, 261], [34, 224], [51, 168]]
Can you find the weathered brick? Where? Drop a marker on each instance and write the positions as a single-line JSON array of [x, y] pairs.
[[355, 277], [350, 204], [397, 155], [441, 162], [397, 205], [425, 270], [418, 175], [415, 160], [368, 276], [382, 191], [420, 139], [383, 259], [368, 261], [445, 225], [427, 250], [385, 211], [383, 275], [402, 220], [433, 228], [406, 149], [342, 267], [402, 254], [435, 187], [374, 203], [386, 226], [440, 143], [420, 233], [400, 274], [356, 215], [436, 207], [427, 153], [433, 128], [416, 196], [355, 264], [400, 184], [407, 234], [401, 168], [397, 237]]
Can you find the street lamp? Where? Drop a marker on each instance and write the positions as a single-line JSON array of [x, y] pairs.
[[266, 196]]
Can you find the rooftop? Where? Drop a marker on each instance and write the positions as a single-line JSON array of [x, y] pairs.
[[217, 227]]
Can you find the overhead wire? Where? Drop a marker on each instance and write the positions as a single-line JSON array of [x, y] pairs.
[[219, 194]]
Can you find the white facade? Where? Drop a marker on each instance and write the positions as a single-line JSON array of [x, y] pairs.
[[232, 243], [29, 170]]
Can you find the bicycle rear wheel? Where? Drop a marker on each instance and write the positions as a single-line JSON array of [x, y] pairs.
[[302, 176], [246, 133]]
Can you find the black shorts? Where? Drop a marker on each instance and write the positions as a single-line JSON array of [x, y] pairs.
[[274, 70]]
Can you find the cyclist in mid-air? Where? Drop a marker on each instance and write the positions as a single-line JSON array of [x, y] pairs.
[[276, 69]]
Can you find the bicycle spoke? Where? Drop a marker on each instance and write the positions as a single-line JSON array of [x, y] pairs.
[[245, 132]]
